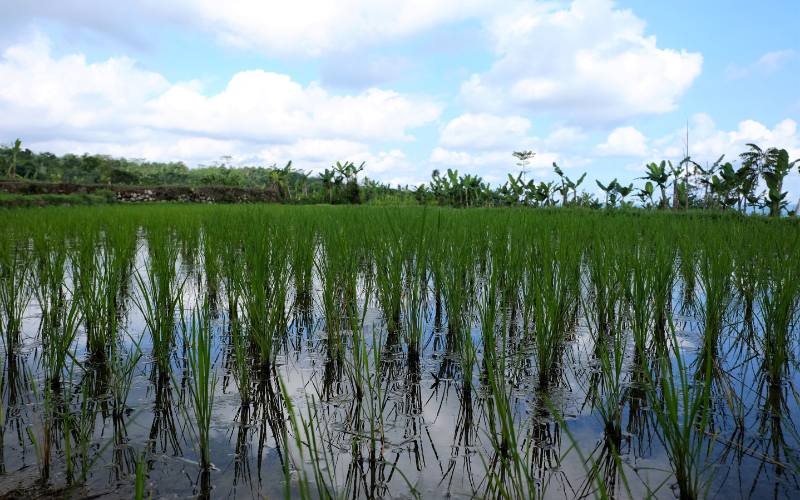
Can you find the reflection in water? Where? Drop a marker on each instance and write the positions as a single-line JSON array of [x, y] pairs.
[[385, 411]]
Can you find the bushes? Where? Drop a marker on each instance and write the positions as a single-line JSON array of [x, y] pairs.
[[100, 197]]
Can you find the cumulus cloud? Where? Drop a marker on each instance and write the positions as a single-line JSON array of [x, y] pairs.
[[115, 107], [624, 141], [707, 142], [590, 61], [484, 131], [488, 132]]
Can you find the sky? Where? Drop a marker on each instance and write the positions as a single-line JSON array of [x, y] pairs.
[[407, 86]]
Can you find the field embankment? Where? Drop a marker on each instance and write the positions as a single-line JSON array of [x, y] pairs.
[[30, 194]]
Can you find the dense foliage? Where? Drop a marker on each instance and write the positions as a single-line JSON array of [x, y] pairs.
[[756, 184]]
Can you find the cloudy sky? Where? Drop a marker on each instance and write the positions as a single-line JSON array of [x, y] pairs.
[[406, 85]]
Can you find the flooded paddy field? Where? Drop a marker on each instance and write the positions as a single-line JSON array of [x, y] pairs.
[[326, 352]]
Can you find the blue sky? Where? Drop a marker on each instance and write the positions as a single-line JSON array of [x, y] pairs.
[[407, 86]]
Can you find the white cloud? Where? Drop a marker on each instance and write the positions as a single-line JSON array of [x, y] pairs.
[[114, 107], [315, 27], [768, 63], [267, 106], [624, 141], [484, 131], [707, 143], [591, 61], [494, 133]]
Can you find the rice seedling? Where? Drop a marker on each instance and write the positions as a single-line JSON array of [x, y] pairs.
[[554, 270], [201, 381], [58, 344], [141, 475], [262, 286], [15, 289], [240, 371], [50, 274], [778, 296], [160, 293], [42, 437], [100, 264], [682, 410], [508, 470], [123, 366]]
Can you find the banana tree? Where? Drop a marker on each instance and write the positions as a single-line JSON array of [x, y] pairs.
[[516, 186], [574, 187], [707, 174], [659, 175], [647, 192], [564, 190], [608, 189], [542, 193], [420, 192], [623, 192], [796, 207], [455, 185], [327, 180], [676, 173], [283, 176], [774, 180], [567, 184]]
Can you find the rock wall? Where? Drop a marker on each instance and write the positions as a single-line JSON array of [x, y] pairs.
[[204, 194]]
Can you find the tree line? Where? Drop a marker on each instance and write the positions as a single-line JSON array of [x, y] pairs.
[[756, 184]]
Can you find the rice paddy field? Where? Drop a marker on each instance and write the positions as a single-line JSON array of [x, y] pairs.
[[352, 352]]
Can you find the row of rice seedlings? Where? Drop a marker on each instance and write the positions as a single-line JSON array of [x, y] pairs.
[[101, 265], [49, 273], [508, 469], [778, 298], [687, 264], [682, 408], [456, 274], [262, 285], [57, 346], [123, 366], [43, 423], [389, 262], [603, 284], [606, 371], [302, 254], [554, 269], [200, 380], [663, 263], [337, 270], [414, 304], [364, 369], [160, 293], [212, 246], [715, 270], [240, 370], [15, 289]]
